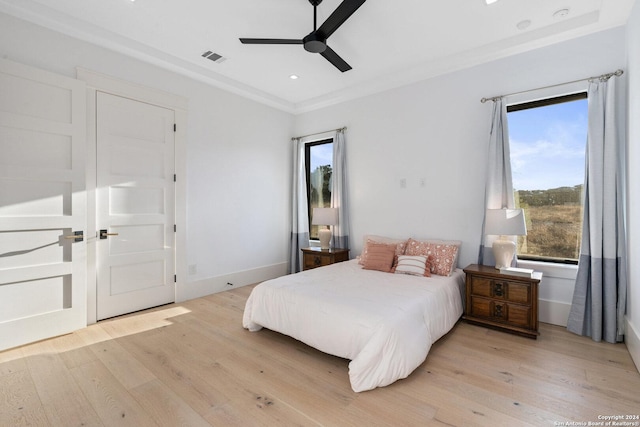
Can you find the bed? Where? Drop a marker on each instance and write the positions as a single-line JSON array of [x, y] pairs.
[[384, 323]]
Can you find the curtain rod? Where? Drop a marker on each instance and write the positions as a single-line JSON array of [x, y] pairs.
[[602, 77], [342, 129]]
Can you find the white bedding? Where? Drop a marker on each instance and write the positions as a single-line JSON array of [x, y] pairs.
[[384, 323]]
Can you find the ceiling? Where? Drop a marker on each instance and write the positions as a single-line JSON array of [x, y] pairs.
[[388, 43]]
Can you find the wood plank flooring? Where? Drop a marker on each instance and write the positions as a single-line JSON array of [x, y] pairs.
[[192, 364]]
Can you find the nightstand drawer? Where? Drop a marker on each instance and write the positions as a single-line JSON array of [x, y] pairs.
[[519, 292], [520, 315], [481, 286], [313, 261], [316, 257], [501, 312], [480, 307]]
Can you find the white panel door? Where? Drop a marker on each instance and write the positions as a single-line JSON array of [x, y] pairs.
[[42, 203], [135, 205]]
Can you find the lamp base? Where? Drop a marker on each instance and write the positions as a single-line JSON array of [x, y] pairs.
[[503, 252], [324, 234]]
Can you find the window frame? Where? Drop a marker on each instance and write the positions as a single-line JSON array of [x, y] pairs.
[[307, 165], [544, 102]]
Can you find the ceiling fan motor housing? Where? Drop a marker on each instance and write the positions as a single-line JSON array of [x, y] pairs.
[[315, 43]]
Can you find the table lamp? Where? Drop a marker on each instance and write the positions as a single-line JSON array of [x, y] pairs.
[[328, 217], [504, 223]]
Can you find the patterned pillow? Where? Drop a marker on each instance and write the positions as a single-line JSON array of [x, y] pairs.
[[414, 265], [370, 239], [445, 254], [380, 257]]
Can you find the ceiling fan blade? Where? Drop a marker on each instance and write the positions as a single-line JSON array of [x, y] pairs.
[[337, 18], [270, 41], [331, 56]]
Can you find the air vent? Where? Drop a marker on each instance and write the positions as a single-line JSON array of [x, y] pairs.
[[215, 57]]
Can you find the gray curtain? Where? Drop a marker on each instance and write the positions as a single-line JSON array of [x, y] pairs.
[[299, 209], [498, 191], [599, 298], [339, 192]]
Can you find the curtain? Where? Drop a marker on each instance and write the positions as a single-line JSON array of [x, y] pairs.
[[599, 298], [299, 209], [499, 186], [339, 193]]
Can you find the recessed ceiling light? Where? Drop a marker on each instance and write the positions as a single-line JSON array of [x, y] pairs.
[[560, 13], [490, 1], [523, 24], [293, 77]]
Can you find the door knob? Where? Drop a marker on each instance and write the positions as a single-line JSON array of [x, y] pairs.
[[77, 236], [104, 234]]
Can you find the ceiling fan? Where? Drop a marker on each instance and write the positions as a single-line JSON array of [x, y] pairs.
[[316, 41]]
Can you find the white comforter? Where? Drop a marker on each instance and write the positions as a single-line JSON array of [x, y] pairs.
[[384, 323]]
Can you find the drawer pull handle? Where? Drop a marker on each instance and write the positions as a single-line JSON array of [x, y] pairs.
[[317, 260], [498, 290], [499, 312]]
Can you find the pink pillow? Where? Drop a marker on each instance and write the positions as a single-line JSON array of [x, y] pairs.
[[445, 254], [380, 257], [370, 239], [416, 247]]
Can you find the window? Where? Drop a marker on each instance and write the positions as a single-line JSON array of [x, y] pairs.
[[319, 162], [548, 142]]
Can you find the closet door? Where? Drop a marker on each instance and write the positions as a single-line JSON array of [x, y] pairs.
[[135, 205], [42, 205]]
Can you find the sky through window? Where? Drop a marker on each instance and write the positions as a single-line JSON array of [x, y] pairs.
[[548, 146]]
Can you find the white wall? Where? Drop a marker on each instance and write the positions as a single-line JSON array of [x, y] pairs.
[[238, 154], [632, 337], [437, 129], [238, 160]]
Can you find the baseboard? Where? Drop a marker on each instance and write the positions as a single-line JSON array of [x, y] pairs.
[[216, 284], [632, 340], [553, 312]]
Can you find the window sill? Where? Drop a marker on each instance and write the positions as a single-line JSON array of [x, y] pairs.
[[551, 269]]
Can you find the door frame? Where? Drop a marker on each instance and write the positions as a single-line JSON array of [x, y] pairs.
[[97, 82]]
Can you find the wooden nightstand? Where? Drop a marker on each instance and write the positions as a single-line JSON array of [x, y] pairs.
[[502, 301], [316, 257]]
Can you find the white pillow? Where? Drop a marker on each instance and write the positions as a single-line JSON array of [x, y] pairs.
[[415, 265]]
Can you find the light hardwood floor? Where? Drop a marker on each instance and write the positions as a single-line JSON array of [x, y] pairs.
[[193, 364]]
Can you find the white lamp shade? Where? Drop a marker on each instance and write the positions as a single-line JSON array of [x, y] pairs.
[[324, 216], [505, 222]]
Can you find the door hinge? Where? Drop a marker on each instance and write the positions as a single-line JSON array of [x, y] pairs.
[[175, 228], [175, 177], [175, 278], [174, 127]]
